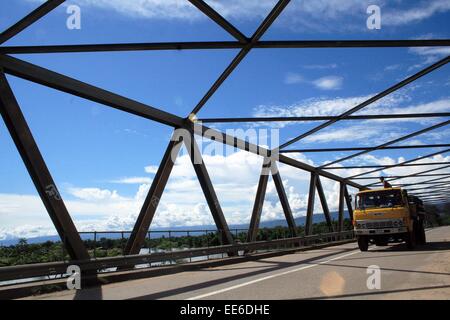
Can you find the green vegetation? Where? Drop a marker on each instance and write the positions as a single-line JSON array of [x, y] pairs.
[[25, 253], [441, 214]]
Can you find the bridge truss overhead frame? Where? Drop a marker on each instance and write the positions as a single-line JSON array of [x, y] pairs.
[[47, 189]]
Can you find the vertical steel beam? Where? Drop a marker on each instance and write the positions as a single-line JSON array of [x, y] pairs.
[[31, 18], [283, 199], [348, 201], [323, 201], [259, 201], [39, 173], [148, 210], [341, 206], [311, 201], [208, 189]]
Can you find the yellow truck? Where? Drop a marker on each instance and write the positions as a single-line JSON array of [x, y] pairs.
[[388, 215]]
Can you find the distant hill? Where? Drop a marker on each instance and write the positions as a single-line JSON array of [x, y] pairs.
[[163, 231]]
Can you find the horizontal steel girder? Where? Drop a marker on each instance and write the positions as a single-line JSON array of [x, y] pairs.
[[221, 45]]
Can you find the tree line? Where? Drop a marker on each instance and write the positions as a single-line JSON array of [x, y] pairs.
[[52, 251]]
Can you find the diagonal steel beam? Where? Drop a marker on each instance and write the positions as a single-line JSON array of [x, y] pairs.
[[259, 201], [150, 205], [404, 163], [416, 174], [323, 201], [382, 146], [420, 146], [276, 11], [311, 202], [60, 82], [348, 201], [208, 189], [255, 149], [325, 118], [219, 19], [28, 20], [436, 187], [283, 199], [430, 192], [69, 85], [39, 172], [382, 167], [426, 182], [437, 196], [375, 98]]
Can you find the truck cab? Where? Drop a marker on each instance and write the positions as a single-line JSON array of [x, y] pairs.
[[388, 215]]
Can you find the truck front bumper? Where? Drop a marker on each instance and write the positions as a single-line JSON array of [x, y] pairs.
[[381, 231]]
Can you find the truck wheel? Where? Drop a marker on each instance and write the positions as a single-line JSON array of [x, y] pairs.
[[363, 243], [420, 232], [411, 239], [423, 237]]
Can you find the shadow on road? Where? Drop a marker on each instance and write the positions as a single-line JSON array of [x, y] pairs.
[[429, 246], [387, 269], [207, 284], [360, 294]]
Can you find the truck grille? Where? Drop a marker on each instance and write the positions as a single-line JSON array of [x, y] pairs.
[[379, 224]]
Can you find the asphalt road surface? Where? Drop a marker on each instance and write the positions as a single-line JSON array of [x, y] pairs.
[[339, 272]]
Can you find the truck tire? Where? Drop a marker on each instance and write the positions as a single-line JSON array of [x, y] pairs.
[[423, 237], [363, 243], [411, 239], [419, 232]]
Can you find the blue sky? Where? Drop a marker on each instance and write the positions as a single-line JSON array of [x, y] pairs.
[[103, 160]]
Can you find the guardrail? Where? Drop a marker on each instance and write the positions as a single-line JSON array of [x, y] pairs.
[[97, 236], [98, 264]]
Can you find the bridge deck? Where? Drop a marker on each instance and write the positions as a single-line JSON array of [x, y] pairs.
[[336, 272]]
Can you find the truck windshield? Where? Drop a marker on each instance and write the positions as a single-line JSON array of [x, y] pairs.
[[379, 199]]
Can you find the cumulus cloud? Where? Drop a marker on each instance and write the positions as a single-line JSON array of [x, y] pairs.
[[329, 83], [235, 179], [132, 180], [323, 83], [293, 78], [94, 194], [396, 103], [370, 135], [415, 14], [318, 16]]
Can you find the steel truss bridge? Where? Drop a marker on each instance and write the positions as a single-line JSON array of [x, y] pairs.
[[435, 189]]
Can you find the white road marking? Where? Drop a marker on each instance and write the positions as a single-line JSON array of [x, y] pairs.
[[269, 277]]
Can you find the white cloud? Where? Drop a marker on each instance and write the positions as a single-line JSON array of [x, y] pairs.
[[151, 169], [413, 15], [396, 103], [323, 83], [94, 194], [428, 55], [329, 83], [133, 180], [318, 15], [235, 178], [293, 78], [321, 66], [366, 134]]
